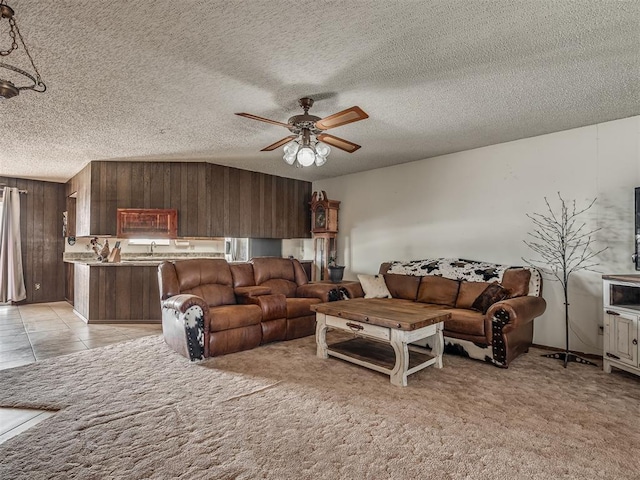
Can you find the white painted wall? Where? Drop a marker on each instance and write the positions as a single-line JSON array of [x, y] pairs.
[[472, 204]]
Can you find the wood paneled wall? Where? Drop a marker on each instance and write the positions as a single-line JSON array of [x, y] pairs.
[[42, 242], [212, 200]]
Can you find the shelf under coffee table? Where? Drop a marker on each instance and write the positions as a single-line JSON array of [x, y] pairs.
[[384, 331]]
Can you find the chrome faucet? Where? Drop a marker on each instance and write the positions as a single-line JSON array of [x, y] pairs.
[[153, 245]]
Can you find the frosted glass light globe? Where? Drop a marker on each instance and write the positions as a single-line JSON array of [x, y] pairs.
[[291, 147], [306, 156], [320, 160], [289, 158], [323, 149]]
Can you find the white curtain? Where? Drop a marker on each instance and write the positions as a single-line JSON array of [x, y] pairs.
[[11, 273]]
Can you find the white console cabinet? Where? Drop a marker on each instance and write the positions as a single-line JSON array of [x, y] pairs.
[[621, 298]]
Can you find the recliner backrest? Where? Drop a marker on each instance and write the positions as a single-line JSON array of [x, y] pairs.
[[242, 274], [279, 274], [207, 278]]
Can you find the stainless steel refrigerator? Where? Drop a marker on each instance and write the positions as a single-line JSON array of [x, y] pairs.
[[244, 249]]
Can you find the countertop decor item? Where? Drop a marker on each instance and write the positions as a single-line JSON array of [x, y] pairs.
[[564, 246]]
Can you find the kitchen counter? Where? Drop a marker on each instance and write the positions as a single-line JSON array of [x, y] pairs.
[[90, 258], [135, 260]]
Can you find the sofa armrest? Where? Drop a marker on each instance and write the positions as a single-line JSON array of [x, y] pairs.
[[185, 325], [321, 290], [315, 290], [273, 306], [517, 311], [251, 291]]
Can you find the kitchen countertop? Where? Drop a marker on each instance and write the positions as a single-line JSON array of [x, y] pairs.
[[136, 260]]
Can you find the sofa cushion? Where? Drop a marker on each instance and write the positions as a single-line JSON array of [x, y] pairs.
[[207, 278], [438, 290], [234, 340], [402, 286], [279, 285], [492, 294], [242, 274], [516, 280], [465, 321], [468, 293], [234, 316], [300, 307], [374, 286], [267, 268], [214, 294], [194, 272]]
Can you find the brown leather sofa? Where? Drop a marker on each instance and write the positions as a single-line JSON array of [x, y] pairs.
[[211, 307], [498, 335]]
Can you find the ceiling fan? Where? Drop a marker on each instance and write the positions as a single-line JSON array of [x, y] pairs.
[[309, 144]]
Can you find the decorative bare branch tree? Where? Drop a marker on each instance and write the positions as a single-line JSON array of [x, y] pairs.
[[565, 247]]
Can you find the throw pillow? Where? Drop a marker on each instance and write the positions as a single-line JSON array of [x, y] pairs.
[[374, 286], [468, 293], [492, 294]]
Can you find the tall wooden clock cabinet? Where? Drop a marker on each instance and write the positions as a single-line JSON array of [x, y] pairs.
[[324, 230]]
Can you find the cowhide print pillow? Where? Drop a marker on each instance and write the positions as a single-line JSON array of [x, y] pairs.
[[374, 286]]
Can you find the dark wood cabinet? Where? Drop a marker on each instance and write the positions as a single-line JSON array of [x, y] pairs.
[[71, 216], [211, 200], [108, 293], [69, 282], [79, 188]]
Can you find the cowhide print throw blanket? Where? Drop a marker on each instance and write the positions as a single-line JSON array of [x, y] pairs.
[[453, 268]]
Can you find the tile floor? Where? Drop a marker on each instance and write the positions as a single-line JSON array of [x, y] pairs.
[[34, 332]]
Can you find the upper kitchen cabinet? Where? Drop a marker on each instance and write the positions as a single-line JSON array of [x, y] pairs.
[[211, 200]]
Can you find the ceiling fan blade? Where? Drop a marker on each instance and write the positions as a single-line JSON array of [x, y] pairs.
[[350, 115], [338, 142], [262, 119], [279, 143]]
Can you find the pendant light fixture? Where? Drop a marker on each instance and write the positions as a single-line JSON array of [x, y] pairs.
[[10, 88]]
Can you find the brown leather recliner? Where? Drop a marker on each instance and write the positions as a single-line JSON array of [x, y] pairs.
[[284, 276], [200, 314], [211, 308]]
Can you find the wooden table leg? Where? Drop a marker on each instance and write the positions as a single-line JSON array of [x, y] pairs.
[[438, 345], [399, 344], [321, 335]]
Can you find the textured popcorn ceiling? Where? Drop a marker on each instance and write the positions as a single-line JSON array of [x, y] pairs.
[[160, 80]]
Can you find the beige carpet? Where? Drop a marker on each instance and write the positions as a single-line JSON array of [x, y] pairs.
[[137, 410]]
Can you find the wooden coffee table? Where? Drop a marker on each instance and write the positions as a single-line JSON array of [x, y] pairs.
[[383, 332]]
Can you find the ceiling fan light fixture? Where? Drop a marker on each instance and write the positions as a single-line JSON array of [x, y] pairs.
[[309, 144], [306, 156]]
